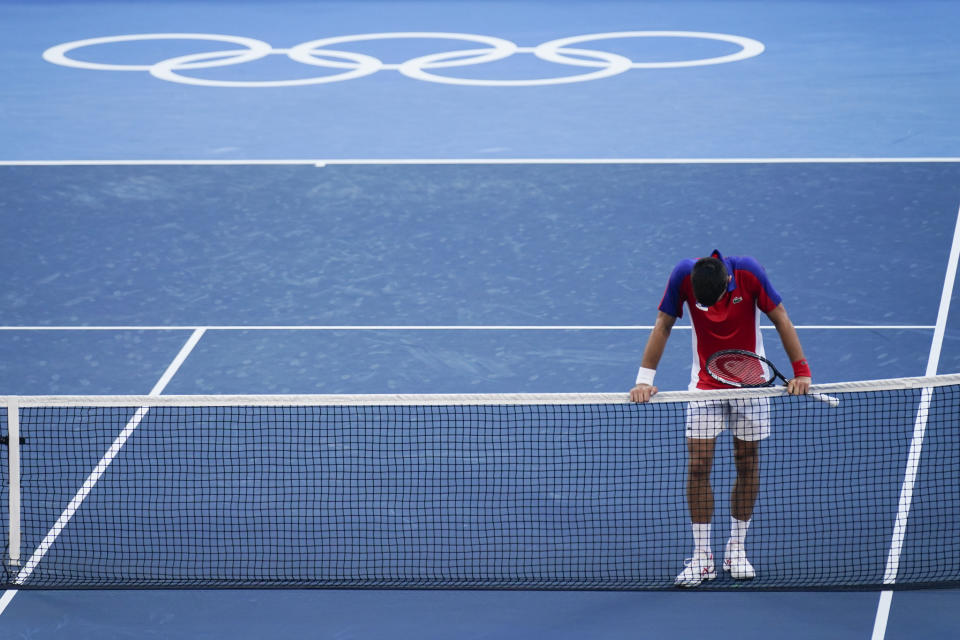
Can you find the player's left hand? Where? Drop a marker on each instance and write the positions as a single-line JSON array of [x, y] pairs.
[[799, 385]]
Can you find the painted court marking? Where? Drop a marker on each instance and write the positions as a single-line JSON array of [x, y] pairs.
[[465, 161], [98, 471], [916, 442], [322, 163], [438, 327]]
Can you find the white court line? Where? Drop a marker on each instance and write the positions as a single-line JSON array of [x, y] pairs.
[[322, 162], [98, 471], [441, 327], [916, 442], [434, 161]]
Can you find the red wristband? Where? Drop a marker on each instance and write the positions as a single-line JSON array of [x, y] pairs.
[[801, 369]]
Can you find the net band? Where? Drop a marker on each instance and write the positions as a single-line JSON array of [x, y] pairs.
[[545, 491], [453, 399]]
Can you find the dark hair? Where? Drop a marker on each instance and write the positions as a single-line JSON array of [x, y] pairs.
[[709, 279]]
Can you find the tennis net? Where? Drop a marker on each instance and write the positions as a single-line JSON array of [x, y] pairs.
[[552, 491]]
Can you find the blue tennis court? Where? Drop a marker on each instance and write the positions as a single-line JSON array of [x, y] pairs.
[[204, 210]]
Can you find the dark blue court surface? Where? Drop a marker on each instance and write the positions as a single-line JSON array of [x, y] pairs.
[[319, 277], [408, 245]]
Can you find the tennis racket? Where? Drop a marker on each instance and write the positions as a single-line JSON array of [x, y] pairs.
[[746, 369]]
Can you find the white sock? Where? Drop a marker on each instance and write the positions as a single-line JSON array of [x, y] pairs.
[[701, 538], [738, 530]]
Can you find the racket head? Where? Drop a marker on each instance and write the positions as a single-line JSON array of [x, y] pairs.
[[740, 368]]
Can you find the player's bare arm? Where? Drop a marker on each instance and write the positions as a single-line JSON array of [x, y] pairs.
[[799, 384], [652, 353]]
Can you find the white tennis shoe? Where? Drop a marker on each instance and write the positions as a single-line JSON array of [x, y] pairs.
[[735, 562], [695, 570]]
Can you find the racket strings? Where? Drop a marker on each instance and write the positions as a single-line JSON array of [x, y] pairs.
[[740, 369]]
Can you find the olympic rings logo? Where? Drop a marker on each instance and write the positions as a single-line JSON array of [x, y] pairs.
[[348, 65]]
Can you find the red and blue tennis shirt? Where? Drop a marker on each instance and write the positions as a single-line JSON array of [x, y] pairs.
[[732, 323]]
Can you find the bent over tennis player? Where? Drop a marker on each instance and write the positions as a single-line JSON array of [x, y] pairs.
[[725, 297]]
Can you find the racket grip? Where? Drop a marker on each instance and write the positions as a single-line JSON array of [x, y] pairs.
[[830, 400]]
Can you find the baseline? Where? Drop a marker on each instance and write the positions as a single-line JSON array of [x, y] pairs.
[[467, 161]]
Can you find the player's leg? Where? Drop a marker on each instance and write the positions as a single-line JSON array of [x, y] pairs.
[[746, 455], [700, 504], [699, 490], [750, 424], [744, 497], [704, 422]]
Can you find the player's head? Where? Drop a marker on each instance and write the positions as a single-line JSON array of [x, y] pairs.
[[709, 279]]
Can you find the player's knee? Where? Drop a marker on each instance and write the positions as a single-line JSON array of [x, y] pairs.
[[699, 467]]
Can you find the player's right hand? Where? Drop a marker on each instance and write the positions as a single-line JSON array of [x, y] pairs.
[[642, 393]]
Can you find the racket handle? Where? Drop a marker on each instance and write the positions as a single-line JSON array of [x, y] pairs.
[[822, 397]]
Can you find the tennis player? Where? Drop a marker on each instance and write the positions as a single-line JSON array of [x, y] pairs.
[[724, 297]]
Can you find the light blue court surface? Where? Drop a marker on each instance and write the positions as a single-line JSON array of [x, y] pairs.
[[327, 277], [834, 79]]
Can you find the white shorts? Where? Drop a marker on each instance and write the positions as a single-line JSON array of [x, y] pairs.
[[747, 418]]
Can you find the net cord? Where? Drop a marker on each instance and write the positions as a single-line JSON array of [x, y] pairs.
[[890, 384]]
